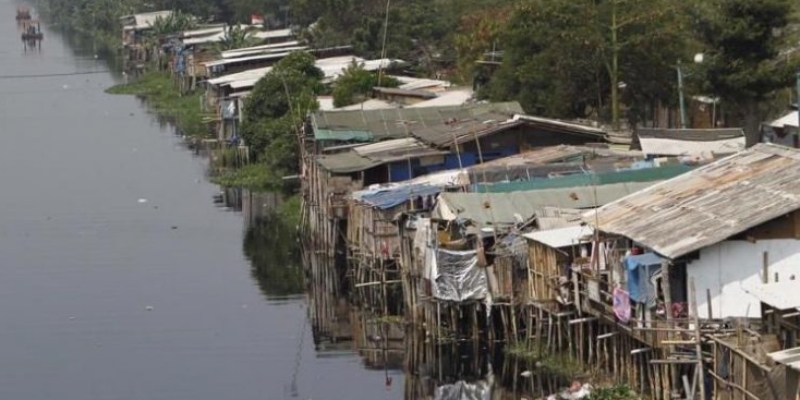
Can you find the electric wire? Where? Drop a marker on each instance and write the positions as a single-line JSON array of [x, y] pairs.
[[26, 76]]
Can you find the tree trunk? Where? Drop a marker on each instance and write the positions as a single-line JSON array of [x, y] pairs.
[[752, 123]]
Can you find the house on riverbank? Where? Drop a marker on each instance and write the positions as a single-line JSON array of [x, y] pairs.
[[134, 31], [685, 266]]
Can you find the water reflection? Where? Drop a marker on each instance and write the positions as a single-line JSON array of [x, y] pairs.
[[273, 255]]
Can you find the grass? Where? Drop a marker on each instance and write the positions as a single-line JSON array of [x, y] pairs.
[[558, 364], [290, 210], [164, 99], [256, 177]]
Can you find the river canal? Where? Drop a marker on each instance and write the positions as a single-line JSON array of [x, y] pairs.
[[120, 277]]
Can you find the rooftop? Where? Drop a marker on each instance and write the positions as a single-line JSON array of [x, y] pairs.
[[406, 92], [502, 208], [219, 36], [266, 48], [364, 157], [143, 20], [438, 125], [676, 142], [709, 204], [562, 237]]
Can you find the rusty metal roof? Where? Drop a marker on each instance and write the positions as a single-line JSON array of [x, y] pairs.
[[371, 155], [434, 125], [709, 204], [560, 153]]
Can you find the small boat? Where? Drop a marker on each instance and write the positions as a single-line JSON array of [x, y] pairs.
[[32, 32], [23, 14]]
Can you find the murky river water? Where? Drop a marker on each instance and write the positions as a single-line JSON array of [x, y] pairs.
[[106, 297]]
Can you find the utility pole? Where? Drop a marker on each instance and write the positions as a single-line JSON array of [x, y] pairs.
[[797, 80], [680, 96], [614, 68]]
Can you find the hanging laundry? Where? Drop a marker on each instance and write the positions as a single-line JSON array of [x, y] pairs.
[[622, 305]]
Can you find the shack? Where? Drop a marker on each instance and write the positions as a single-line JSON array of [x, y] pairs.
[[134, 29], [728, 224], [670, 265]]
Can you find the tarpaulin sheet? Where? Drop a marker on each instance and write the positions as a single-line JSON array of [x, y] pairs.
[[641, 269], [388, 198], [457, 276], [481, 390]]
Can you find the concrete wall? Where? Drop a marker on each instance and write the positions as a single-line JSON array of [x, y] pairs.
[[728, 266]]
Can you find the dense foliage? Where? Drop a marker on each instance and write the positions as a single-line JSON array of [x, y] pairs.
[[276, 108], [355, 84]]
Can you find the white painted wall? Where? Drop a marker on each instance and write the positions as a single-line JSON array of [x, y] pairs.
[[728, 266]]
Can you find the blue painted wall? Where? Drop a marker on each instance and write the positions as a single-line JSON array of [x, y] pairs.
[[399, 170]]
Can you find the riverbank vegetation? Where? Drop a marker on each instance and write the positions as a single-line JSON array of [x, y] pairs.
[[565, 368], [164, 99]]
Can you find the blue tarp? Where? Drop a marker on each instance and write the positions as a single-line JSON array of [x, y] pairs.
[[641, 269], [388, 198]]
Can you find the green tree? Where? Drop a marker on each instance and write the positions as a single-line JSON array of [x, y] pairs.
[[742, 42], [236, 38], [566, 58], [355, 84], [276, 108]]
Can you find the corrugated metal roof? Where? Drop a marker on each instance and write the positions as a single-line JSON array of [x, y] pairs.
[[421, 83], [406, 92], [450, 98], [219, 36], [271, 56], [788, 357], [390, 150], [587, 179], [676, 142], [346, 162], [693, 135], [143, 20], [675, 147], [560, 153], [562, 237], [203, 31], [364, 157], [556, 125], [249, 74], [421, 122], [371, 104], [331, 67], [709, 204], [781, 295], [261, 48], [504, 207]]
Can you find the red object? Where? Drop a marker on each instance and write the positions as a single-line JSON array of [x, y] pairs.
[[256, 19]]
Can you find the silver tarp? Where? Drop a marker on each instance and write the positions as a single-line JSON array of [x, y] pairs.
[[457, 276], [481, 390]]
